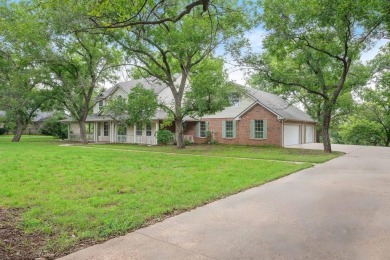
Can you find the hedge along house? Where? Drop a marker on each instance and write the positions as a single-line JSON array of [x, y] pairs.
[[254, 118]]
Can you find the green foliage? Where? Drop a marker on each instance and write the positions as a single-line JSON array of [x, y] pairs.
[[142, 105], [361, 132], [164, 136], [55, 128], [314, 50], [22, 47], [3, 131], [172, 53], [209, 91], [117, 109]]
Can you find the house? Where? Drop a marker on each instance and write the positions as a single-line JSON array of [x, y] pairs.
[[254, 118], [36, 123]]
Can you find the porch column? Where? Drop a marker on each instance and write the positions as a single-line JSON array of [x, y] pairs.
[[155, 132], [95, 132], [69, 131]]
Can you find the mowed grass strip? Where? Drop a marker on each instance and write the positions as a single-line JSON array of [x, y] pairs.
[[72, 194], [238, 151]]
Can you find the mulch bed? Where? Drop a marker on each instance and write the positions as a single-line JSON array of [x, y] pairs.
[[14, 243]]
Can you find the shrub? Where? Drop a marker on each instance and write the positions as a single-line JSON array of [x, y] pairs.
[[164, 136], [3, 131], [54, 128]]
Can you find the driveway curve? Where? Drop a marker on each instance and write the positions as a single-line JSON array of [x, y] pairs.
[[336, 210]]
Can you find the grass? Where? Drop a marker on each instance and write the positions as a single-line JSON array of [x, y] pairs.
[[72, 194], [237, 151]]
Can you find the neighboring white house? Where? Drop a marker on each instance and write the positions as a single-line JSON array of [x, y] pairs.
[[255, 118]]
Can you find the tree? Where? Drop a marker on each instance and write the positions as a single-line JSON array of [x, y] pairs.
[[21, 68], [314, 48], [168, 50], [376, 105], [80, 68]]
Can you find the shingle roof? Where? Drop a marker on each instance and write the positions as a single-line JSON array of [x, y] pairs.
[[150, 83], [279, 106], [43, 115]]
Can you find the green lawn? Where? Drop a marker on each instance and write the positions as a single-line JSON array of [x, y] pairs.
[[237, 151], [72, 194]]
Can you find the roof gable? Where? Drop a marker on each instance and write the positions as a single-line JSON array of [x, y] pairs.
[[278, 105], [149, 83]]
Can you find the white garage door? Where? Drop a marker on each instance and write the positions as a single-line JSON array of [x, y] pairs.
[[309, 134], [291, 134]]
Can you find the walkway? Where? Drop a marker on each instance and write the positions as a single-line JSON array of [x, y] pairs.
[[336, 210]]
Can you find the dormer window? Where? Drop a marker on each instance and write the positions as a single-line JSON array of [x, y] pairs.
[[101, 104], [235, 100]]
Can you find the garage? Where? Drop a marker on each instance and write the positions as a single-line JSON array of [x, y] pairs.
[[309, 134], [291, 135]]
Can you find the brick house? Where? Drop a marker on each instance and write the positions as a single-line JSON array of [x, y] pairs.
[[254, 118]]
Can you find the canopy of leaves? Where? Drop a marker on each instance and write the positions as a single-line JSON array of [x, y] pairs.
[[142, 105]]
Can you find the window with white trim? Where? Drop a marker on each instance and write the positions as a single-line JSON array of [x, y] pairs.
[[202, 129], [235, 100], [138, 129], [229, 129], [148, 129], [106, 128], [101, 104], [259, 129]]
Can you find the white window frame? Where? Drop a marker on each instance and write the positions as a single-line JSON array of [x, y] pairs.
[[235, 100], [138, 129], [106, 129], [229, 133], [259, 129], [148, 129], [101, 105]]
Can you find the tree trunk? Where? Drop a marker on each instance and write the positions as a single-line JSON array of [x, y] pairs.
[[19, 129], [83, 133], [325, 131], [179, 133]]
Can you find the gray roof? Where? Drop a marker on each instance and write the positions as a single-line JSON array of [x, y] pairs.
[[41, 116], [279, 106], [149, 83]]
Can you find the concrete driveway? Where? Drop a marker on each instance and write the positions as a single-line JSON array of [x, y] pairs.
[[336, 210]]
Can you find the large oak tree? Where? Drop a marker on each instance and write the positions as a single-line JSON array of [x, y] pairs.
[[312, 45]]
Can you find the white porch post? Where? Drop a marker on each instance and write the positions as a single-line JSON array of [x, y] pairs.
[[134, 134], [95, 131], [111, 133], [157, 128]]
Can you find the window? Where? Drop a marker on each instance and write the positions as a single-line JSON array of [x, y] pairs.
[[138, 129], [106, 127], [235, 100], [89, 128], [148, 129], [101, 104], [229, 129], [202, 129], [258, 129]]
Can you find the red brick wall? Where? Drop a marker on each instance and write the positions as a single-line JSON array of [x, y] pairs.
[[258, 112]]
